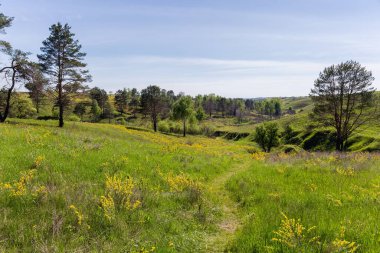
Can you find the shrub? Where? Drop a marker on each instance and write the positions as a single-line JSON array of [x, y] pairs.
[[120, 195], [74, 118], [163, 126], [208, 130], [267, 136], [289, 135], [194, 129]]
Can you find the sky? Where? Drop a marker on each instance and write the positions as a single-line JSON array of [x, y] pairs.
[[233, 48]]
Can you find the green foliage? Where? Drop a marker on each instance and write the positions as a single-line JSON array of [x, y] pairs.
[[153, 103], [289, 135], [183, 109], [95, 111], [37, 86], [163, 126], [80, 109], [22, 107], [267, 136], [62, 61], [121, 100], [100, 96], [200, 114], [344, 99]]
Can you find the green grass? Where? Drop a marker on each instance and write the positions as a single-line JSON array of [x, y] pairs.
[[76, 161], [315, 189], [197, 194]]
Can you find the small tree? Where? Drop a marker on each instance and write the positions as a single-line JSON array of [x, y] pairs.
[[183, 109], [135, 100], [80, 109], [200, 114], [153, 103], [21, 107], [209, 103], [121, 100], [344, 99], [267, 136], [95, 111], [100, 96], [109, 111], [277, 108], [37, 87], [62, 61]]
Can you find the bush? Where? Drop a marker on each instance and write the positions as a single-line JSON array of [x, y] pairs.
[[267, 136], [194, 129], [175, 127], [163, 126], [22, 107], [208, 130], [74, 118]]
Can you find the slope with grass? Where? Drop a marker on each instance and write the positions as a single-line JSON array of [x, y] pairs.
[[106, 188]]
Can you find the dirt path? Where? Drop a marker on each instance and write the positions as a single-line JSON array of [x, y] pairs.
[[230, 221]]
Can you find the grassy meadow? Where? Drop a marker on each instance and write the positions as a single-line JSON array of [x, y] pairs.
[[106, 188]]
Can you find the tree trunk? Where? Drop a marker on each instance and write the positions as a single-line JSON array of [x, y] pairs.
[[184, 128], [155, 125], [60, 91], [8, 99], [339, 143], [61, 123]]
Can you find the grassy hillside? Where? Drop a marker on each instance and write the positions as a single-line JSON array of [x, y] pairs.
[[106, 188]]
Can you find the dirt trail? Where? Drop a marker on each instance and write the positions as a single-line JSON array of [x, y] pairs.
[[230, 221]]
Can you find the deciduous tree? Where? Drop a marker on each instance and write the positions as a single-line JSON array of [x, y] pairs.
[[267, 136], [37, 87], [344, 99], [153, 103]]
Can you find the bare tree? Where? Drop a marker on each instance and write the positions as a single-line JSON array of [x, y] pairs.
[[344, 99]]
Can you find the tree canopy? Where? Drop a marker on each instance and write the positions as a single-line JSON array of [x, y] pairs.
[[62, 60], [344, 99]]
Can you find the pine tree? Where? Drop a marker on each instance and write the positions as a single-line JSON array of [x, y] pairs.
[[62, 61]]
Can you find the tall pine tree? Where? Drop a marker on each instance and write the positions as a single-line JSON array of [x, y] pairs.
[[62, 61]]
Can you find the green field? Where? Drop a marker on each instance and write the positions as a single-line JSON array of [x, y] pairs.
[[106, 188]]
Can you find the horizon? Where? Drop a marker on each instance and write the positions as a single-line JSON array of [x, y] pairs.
[[246, 49]]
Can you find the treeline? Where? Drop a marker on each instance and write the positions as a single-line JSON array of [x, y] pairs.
[[135, 101], [58, 81], [96, 104]]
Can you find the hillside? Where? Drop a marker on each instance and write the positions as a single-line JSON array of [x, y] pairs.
[[311, 136], [97, 187]]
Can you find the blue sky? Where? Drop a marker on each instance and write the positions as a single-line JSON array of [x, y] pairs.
[[233, 48]]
